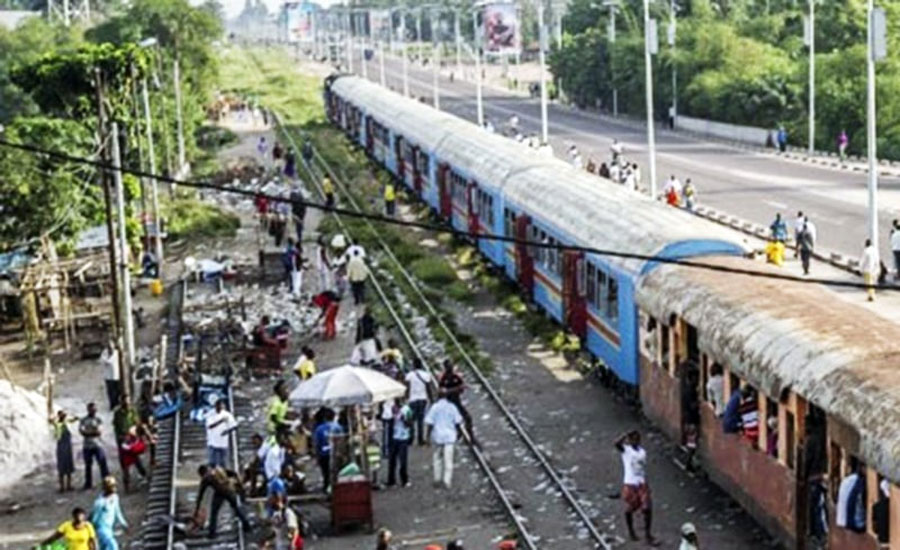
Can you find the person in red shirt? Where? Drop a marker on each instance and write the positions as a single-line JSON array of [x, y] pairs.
[[329, 303]]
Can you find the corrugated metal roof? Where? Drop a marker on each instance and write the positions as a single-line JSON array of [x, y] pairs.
[[781, 334]]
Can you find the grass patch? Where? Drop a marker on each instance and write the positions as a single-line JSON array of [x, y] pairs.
[[434, 271], [192, 218]]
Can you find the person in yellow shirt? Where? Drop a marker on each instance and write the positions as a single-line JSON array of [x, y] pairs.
[[328, 189], [306, 365], [390, 199], [78, 533], [278, 412], [775, 252]]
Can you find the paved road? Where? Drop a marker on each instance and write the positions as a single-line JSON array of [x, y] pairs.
[[750, 185]]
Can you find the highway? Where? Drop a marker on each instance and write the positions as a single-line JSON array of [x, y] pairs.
[[750, 185]]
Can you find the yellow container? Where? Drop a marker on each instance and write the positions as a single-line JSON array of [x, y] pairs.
[[156, 287]]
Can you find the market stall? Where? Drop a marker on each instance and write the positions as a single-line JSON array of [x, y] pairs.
[[350, 389]]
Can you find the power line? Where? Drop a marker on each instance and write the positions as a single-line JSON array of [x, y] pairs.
[[444, 229]]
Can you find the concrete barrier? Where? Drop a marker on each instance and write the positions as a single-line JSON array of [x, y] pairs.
[[723, 130]]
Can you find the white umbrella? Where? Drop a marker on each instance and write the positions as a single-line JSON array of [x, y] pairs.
[[344, 386]]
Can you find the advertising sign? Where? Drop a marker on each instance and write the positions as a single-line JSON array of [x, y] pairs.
[[299, 21], [501, 28]]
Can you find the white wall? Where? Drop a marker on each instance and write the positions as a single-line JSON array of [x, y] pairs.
[[746, 134]]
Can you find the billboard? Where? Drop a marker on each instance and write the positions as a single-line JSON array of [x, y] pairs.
[[298, 18], [380, 24], [501, 28]]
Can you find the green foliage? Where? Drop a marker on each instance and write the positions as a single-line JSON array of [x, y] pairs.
[[190, 217], [40, 195], [738, 61]]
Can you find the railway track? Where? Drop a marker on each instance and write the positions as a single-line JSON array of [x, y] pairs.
[[538, 499], [181, 448]]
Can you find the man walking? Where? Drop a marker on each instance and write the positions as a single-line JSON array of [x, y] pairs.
[[419, 381], [223, 484], [452, 385], [219, 425], [443, 419], [109, 358], [870, 266], [399, 453], [91, 449], [799, 222], [778, 229], [805, 246], [357, 272], [635, 490]]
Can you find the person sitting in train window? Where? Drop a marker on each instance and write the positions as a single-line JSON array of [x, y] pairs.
[[881, 513], [715, 389], [731, 418], [851, 508], [750, 416]]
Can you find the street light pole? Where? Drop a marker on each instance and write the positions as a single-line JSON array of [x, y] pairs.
[[542, 40], [381, 62], [672, 37], [124, 272], [435, 59], [349, 43], [613, 6], [872, 35], [458, 39], [649, 30], [405, 54], [362, 39], [812, 77]]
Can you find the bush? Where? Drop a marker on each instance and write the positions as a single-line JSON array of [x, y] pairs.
[[434, 271], [190, 217]]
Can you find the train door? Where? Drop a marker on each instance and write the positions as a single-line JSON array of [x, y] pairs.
[[370, 137], [524, 260], [472, 207], [401, 162], [809, 457], [446, 193], [574, 299], [417, 174]]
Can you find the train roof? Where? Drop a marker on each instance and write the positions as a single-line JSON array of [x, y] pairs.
[[599, 213], [486, 157], [604, 215], [781, 334]]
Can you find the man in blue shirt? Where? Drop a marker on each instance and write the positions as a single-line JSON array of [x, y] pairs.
[[400, 443], [324, 431]]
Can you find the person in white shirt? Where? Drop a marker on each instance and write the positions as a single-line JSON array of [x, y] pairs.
[[895, 247], [811, 228], [616, 149], [689, 540], [443, 420], [219, 425], [419, 382], [109, 358], [614, 173], [546, 150], [630, 181], [272, 455], [715, 389], [357, 272], [869, 266], [672, 184], [635, 490]]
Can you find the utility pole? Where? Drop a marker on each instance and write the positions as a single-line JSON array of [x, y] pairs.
[[381, 63], [115, 324], [811, 42], [419, 35], [154, 185], [125, 274], [179, 122], [650, 43], [542, 44]]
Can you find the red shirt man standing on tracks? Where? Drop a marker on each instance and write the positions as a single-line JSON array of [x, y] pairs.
[[635, 490]]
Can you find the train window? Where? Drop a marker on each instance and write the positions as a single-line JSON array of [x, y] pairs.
[[612, 304], [423, 164], [693, 348], [490, 211], [509, 224], [664, 348], [591, 284], [579, 276]]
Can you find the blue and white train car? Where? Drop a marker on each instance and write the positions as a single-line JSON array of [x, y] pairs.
[[486, 184]]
